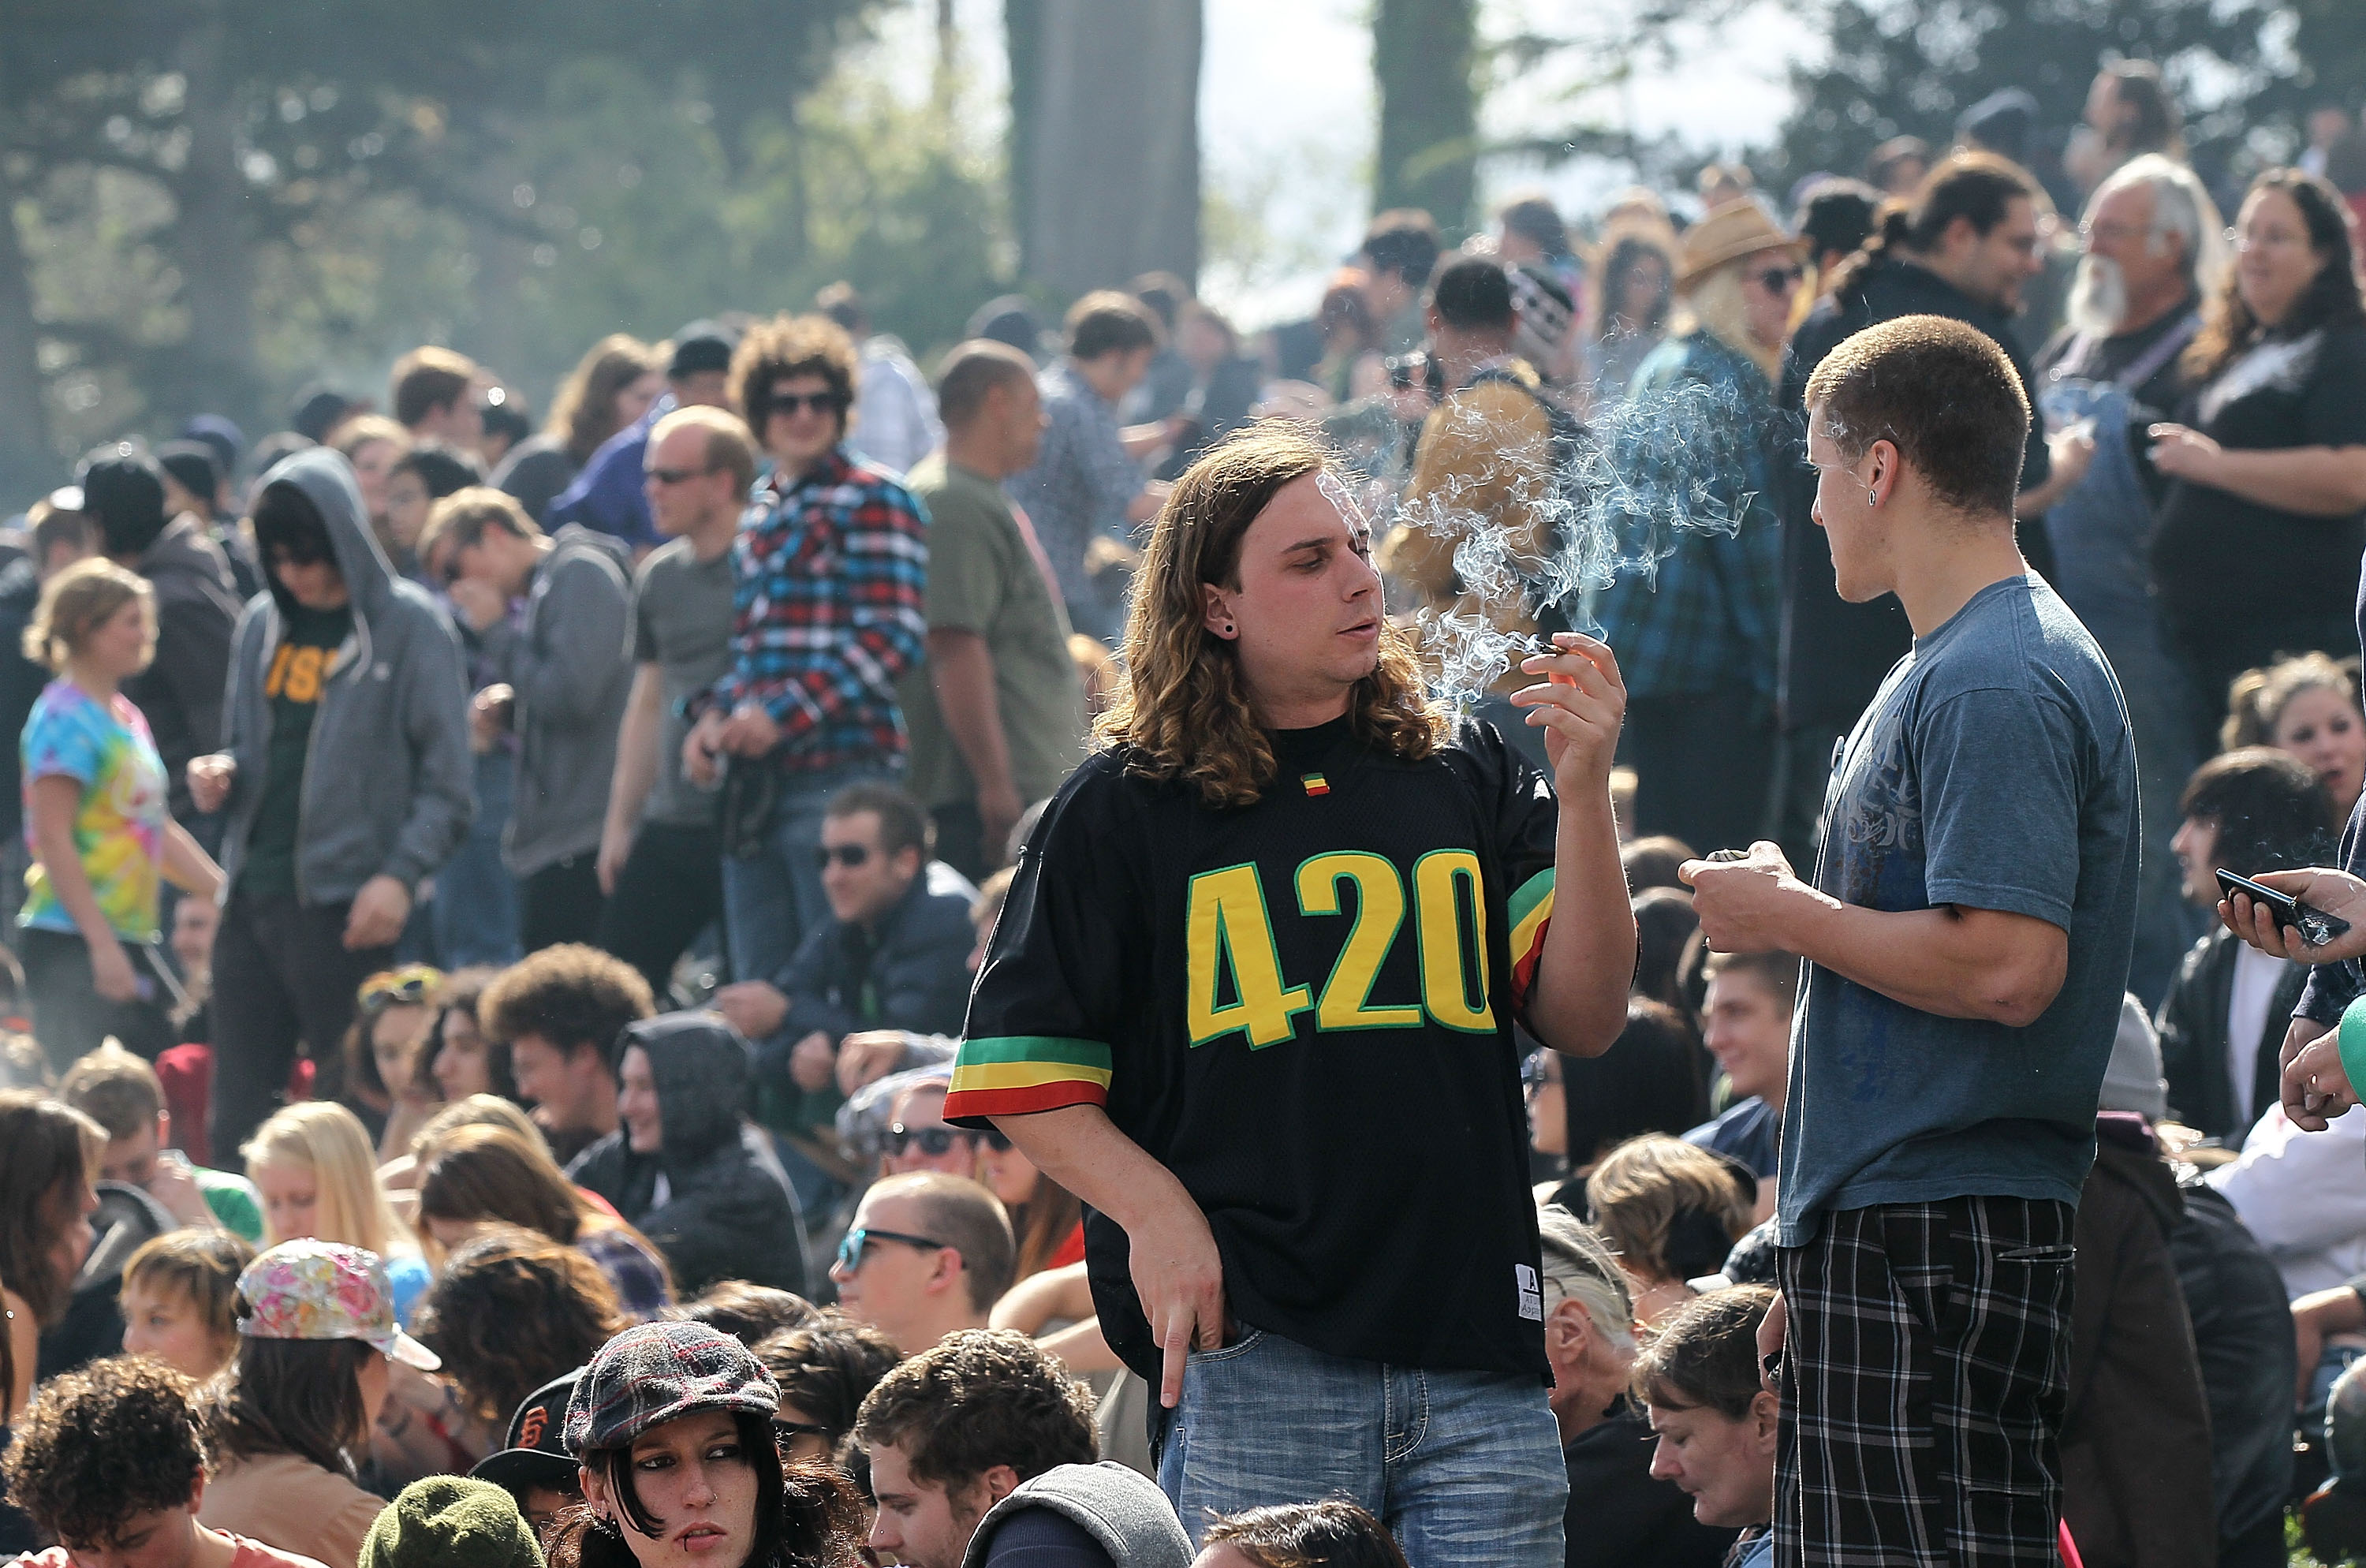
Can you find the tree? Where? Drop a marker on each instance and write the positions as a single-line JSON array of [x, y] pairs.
[[1425, 57]]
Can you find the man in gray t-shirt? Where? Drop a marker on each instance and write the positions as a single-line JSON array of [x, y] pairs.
[[1966, 940], [660, 850]]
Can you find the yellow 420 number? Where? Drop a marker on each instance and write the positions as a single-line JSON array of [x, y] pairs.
[[1228, 933]]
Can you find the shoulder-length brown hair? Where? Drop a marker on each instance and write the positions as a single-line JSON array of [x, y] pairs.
[[583, 414], [49, 1157], [1184, 711], [488, 1172], [2334, 298]]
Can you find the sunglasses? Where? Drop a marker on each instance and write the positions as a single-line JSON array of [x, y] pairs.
[[851, 1250], [406, 986], [1774, 279], [933, 1140], [675, 476], [811, 402], [848, 855]]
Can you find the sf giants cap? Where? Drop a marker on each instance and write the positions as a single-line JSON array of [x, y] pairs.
[[535, 1454]]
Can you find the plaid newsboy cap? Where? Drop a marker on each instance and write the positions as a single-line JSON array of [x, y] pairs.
[[656, 1373]]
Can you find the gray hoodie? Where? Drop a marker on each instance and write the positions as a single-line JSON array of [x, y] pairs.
[[570, 665], [387, 778], [1124, 1512]]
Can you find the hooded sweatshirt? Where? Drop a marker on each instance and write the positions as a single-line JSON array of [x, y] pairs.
[[1124, 1513], [180, 693], [387, 777], [712, 1197], [571, 664]]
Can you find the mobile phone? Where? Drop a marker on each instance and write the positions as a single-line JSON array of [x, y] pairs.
[[2315, 927]]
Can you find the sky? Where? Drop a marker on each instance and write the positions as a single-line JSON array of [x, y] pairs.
[[1287, 108]]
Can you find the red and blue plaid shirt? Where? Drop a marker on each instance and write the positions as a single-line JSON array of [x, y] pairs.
[[829, 573]]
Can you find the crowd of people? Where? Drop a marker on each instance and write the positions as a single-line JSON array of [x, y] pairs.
[[808, 966]]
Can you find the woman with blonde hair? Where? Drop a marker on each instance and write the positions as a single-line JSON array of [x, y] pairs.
[[476, 1175], [318, 1176], [1672, 1212], [97, 821], [610, 387]]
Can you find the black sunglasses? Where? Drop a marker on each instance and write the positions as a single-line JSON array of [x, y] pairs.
[[816, 402], [933, 1140], [676, 476], [846, 855], [1775, 279], [851, 1250]]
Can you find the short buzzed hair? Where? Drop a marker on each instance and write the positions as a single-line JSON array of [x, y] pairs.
[[1107, 321], [1580, 1267], [1473, 294], [967, 1218], [902, 824], [1940, 392], [729, 446], [973, 370]]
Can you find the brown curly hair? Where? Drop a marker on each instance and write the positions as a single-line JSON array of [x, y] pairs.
[[511, 1310], [100, 1444], [571, 995], [791, 345], [1183, 712], [983, 1397], [825, 1368]]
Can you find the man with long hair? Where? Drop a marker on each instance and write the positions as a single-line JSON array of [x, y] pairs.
[[1252, 998]]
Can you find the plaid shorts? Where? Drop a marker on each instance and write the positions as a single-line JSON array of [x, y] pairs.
[[1923, 1382]]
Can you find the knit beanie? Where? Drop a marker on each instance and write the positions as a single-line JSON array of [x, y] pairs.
[[449, 1521]]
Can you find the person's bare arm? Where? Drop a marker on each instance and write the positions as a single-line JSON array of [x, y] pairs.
[[2315, 482], [1037, 1300], [1176, 1271], [1951, 962], [57, 797], [635, 774], [962, 666], [1081, 1348], [24, 1353], [186, 864], [2316, 1316]]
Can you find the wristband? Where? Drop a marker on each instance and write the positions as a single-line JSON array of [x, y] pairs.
[[2353, 1045]]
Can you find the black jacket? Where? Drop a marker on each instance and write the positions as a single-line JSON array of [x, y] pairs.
[[2242, 1331], [913, 974], [2193, 1039], [1834, 653], [1620, 1514], [727, 1212], [197, 609], [22, 681]]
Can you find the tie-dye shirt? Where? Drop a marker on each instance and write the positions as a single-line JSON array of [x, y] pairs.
[[119, 828]]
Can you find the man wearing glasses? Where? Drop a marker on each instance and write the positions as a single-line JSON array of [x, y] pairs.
[[827, 615], [927, 1254]]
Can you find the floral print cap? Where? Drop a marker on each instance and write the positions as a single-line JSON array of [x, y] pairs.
[[325, 1290]]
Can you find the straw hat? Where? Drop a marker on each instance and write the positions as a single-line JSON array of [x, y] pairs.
[[1732, 231]]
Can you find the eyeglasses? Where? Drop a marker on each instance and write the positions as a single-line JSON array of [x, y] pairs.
[[814, 403], [406, 986], [675, 476], [1774, 279], [933, 1140], [846, 855], [851, 1250]]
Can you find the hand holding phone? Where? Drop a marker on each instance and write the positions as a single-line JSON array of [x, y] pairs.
[[2311, 919]]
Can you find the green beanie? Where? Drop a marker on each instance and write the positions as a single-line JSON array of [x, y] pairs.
[[450, 1521]]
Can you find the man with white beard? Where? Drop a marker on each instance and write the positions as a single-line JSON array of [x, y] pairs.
[[2152, 245]]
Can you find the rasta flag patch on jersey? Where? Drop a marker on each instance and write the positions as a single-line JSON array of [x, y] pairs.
[[1316, 783]]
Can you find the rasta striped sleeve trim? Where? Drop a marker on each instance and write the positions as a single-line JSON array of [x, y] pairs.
[[1014, 1073], [1530, 912]]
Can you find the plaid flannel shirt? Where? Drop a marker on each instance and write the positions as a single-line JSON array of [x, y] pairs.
[[1082, 480], [1710, 618], [829, 573]]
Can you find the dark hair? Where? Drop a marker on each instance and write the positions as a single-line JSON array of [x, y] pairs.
[[1106, 321], [2156, 125], [971, 371], [195, 467], [979, 1398], [1333, 1533], [48, 1156], [1942, 393], [1651, 862], [512, 1309], [1664, 921], [100, 1444], [443, 469], [429, 379], [1162, 292], [2271, 809], [1043, 1224], [1403, 240], [787, 346], [828, 1365], [902, 824], [1979, 187], [461, 993], [1631, 252], [2332, 298], [1537, 221], [1472, 294], [1704, 1356], [1346, 307], [1837, 215], [1650, 1081], [807, 1514], [286, 522], [748, 1313], [488, 1172], [571, 995], [288, 1396]]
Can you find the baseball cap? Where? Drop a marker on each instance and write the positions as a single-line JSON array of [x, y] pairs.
[[702, 347], [535, 1453], [656, 1373], [325, 1290]]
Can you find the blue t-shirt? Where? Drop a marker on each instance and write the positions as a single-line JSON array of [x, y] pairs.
[[1747, 1132], [1993, 771]]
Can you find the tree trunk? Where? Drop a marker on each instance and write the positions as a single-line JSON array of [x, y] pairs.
[[211, 238], [1424, 53], [27, 464], [1106, 126]]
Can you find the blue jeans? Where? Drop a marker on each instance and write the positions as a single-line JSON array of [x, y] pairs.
[[771, 898], [1464, 1468], [476, 908]]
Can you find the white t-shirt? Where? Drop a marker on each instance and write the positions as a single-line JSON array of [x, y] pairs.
[[2256, 976]]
